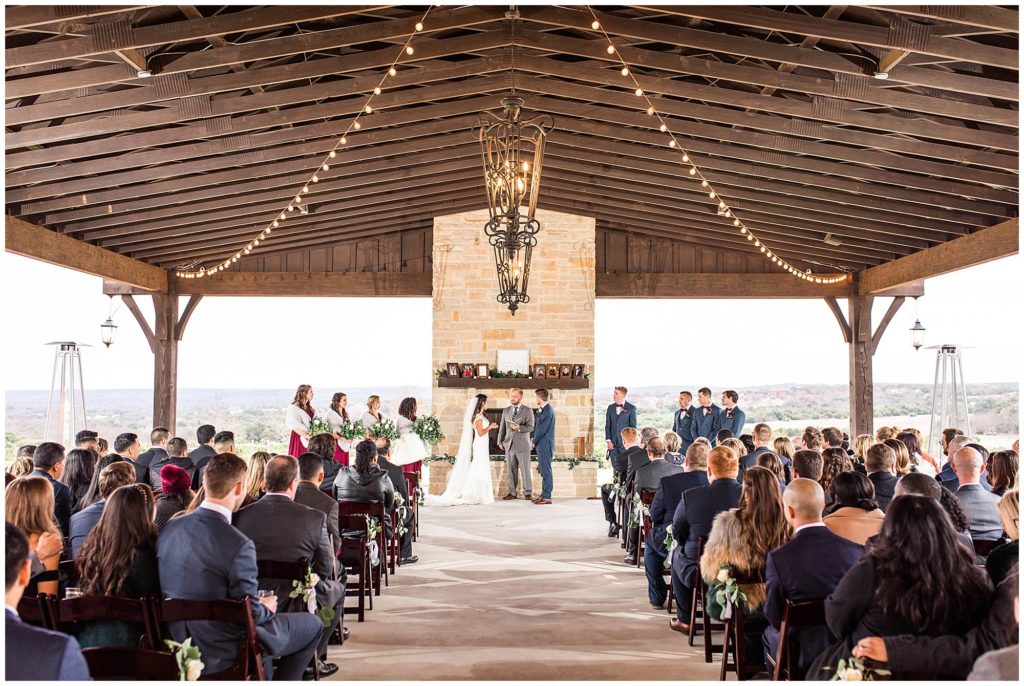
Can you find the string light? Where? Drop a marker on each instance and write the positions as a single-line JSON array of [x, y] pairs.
[[203, 271], [723, 208]]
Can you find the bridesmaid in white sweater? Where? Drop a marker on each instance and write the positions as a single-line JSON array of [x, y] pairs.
[[297, 419], [372, 414], [337, 416]]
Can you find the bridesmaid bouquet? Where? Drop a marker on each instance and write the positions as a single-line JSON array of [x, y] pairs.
[[428, 428], [385, 428], [353, 431], [319, 425]]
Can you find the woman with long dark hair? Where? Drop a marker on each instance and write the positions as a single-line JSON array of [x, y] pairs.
[[409, 450], [915, 578], [1003, 474], [742, 538], [337, 416], [835, 461], [324, 446], [79, 466], [918, 460], [855, 513], [469, 481], [297, 420], [119, 559], [364, 481], [92, 494]]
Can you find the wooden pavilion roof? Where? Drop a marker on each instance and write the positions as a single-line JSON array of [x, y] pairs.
[[778, 106]]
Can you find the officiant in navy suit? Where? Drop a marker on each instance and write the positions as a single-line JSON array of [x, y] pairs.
[[544, 443], [682, 422], [707, 418]]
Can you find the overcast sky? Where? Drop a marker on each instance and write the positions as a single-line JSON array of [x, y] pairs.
[[281, 342]]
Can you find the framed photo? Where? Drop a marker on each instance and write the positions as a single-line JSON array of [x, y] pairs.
[[483, 370], [553, 371], [539, 371], [453, 369], [468, 371], [577, 371], [566, 371], [514, 361]]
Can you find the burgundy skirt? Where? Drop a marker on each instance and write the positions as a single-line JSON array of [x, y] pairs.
[[340, 456], [295, 447], [413, 467]]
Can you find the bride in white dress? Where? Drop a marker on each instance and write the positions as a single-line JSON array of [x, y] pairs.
[[469, 482]]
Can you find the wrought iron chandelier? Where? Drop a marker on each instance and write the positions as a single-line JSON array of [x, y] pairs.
[[513, 157]]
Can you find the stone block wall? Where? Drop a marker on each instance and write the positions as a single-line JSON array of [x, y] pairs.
[[556, 326]]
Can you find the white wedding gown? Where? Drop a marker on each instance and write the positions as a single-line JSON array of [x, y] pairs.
[[469, 482]]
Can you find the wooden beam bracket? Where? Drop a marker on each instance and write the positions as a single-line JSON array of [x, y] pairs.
[[147, 330], [894, 306], [844, 325]]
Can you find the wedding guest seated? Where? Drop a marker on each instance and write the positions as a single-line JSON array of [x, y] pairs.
[[832, 437], [773, 464], [834, 461], [119, 559], [92, 495], [860, 451], [79, 465], [885, 432], [635, 459], [693, 519], [397, 476], [323, 446], [784, 448], [101, 447], [950, 656], [979, 504], [177, 455], [855, 514], [649, 476], [673, 445], [1003, 474], [365, 481], [630, 442], [28, 505], [722, 435], [126, 446], [157, 452], [48, 460], [202, 453], [111, 478], [694, 475], [22, 465], [762, 440], [175, 493], [736, 445], [879, 463], [203, 557], [902, 466], [1002, 664], [1001, 561], [947, 477], [741, 539], [919, 461], [254, 481], [808, 464], [31, 653], [923, 485], [308, 493], [812, 440], [794, 571], [915, 578], [285, 531], [87, 440]]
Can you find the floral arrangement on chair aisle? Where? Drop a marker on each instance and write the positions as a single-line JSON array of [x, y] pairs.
[[306, 588]]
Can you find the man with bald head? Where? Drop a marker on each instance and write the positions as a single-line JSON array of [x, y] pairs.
[[808, 567], [979, 504]]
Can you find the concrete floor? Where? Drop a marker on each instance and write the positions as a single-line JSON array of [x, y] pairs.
[[517, 591]]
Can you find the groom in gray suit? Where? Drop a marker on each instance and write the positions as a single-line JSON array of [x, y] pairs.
[[514, 438]]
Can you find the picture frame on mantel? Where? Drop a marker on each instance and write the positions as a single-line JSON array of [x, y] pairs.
[[514, 361], [453, 370], [539, 371], [577, 371], [483, 370]]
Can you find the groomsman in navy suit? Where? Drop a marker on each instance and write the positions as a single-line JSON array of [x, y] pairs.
[[683, 421], [707, 418], [619, 415], [733, 418], [544, 443]]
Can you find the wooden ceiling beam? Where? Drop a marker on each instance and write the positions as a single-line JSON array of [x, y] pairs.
[[310, 284], [28, 16], [176, 32], [714, 286], [851, 32], [987, 17], [29, 240], [755, 47], [1001, 240], [801, 129], [844, 88]]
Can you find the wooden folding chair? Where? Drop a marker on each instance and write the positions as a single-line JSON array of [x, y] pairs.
[[736, 628], [279, 570], [98, 607], [249, 660], [37, 610], [643, 525], [412, 480], [377, 510], [354, 553], [805, 613], [130, 664]]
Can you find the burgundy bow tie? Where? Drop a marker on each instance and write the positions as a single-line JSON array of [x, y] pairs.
[[707, 411]]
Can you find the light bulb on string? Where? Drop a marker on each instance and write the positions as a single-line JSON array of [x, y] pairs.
[[419, 26], [356, 125], [332, 154], [650, 110], [409, 50], [672, 143], [595, 25], [663, 128], [625, 71], [392, 72], [368, 109], [377, 91], [693, 171], [611, 49]]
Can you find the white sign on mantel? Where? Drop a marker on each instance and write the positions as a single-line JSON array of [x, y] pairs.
[[514, 361]]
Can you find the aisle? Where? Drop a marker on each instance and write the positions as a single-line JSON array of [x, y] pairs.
[[517, 591]]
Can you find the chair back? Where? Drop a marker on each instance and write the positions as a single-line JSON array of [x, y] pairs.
[[249, 661], [68, 570], [285, 571], [983, 548], [804, 613], [753, 577], [96, 607], [130, 664], [351, 507], [412, 479], [647, 496], [37, 610]]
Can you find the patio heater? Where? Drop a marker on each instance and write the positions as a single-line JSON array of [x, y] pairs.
[[65, 411], [949, 393]]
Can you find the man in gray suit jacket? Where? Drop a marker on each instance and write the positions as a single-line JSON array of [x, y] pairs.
[[203, 557], [648, 477], [979, 504], [285, 531], [514, 437]]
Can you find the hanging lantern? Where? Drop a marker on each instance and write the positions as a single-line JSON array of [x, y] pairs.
[[917, 335], [513, 156], [107, 330]]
